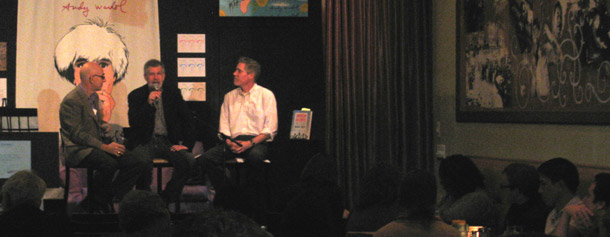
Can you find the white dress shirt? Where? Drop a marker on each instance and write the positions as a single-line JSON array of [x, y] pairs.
[[251, 113]]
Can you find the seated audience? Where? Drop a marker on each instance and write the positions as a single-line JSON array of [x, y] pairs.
[[558, 182], [416, 200], [377, 203], [592, 218], [21, 199], [315, 204], [527, 210], [143, 213], [219, 222], [465, 195]]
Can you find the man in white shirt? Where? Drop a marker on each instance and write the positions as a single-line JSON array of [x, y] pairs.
[[559, 180], [248, 120]]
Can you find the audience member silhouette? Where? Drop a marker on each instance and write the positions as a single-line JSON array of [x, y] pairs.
[[416, 200], [315, 204], [592, 218], [465, 196], [144, 213], [559, 180], [377, 202], [219, 222], [527, 209], [21, 200]]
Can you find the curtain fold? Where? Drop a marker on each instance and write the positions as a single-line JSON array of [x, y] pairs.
[[378, 86]]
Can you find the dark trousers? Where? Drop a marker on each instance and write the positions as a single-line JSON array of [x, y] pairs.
[[129, 165], [183, 161], [251, 183]]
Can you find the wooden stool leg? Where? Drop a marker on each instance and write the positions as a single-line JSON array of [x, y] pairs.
[[90, 188], [67, 187]]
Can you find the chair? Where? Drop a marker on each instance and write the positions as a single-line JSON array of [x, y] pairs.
[[159, 164], [67, 184], [237, 164]]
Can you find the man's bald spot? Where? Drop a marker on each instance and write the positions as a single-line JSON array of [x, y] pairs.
[[88, 69]]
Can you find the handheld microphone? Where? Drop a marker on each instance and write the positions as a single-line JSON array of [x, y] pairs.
[[156, 87]]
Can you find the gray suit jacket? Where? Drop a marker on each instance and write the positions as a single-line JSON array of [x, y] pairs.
[[80, 127]]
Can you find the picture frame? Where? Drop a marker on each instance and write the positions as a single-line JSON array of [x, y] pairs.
[[533, 61]]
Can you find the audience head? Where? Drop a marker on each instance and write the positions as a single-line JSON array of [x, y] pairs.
[[219, 222], [23, 188], [459, 176], [523, 182], [380, 185], [320, 169], [417, 195], [143, 212], [558, 177], [599, 193]]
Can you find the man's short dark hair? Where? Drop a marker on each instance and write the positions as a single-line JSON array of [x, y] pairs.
[[252, 66], [524, 178], [141, 210], [561, 169], [602, 188], [153, 63]]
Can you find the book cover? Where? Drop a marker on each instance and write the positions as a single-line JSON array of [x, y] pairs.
[[301, 125]]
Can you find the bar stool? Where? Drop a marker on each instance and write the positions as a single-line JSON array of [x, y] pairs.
[[235, 166], [159, 164], [67, 184]]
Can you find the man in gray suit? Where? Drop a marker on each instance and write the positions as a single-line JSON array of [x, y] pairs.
[[82, 130]]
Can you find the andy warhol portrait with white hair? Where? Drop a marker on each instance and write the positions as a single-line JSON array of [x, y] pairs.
[[93, 41]]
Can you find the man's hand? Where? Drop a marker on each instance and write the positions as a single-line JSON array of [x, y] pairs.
[[154, 95], [245, 145], [114, 149], [231, 145], [107, 104], [580, 213], [178, 148]]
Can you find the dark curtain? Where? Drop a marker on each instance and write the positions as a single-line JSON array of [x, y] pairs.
[[379, 86]]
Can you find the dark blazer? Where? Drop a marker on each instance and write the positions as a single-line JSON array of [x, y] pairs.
[[142, 117], [80, 127]]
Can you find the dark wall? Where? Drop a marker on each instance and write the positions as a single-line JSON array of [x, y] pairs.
[[288, 48]]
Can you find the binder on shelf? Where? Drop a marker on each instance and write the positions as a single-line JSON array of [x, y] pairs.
[[301, 124]]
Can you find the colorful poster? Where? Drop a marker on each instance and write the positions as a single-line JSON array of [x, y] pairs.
[[272, 8], [191, 43], [55, 37], [191, 67], [192, 91]]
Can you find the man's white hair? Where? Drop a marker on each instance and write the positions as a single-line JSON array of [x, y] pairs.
[[93, 40]]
